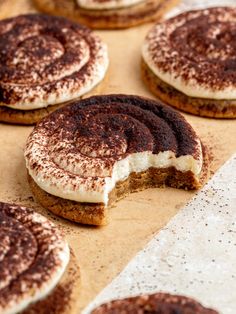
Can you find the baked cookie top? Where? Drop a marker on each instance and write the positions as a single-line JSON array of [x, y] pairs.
[[33, 257], [46, 60], [82, 150], [159, 303], [195, 52]]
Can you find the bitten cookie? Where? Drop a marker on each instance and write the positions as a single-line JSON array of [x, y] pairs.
[[159, 303], [189, 62], [87, 155], [38, 275], [45, 62], [108, 14]]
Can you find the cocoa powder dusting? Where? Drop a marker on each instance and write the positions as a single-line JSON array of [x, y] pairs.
[[80, 143], [43, 58], [32, 253], [198, 47], [159, 303]]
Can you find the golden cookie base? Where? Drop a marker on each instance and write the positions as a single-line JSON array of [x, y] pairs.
[[198, 106]]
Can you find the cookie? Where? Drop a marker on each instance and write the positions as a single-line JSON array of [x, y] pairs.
[[108, 14], [84, 157], [38, 274], [159, 303], [185, 62], [45, 62], [25, 117]]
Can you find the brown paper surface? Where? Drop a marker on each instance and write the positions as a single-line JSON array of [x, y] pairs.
[[103, 252]]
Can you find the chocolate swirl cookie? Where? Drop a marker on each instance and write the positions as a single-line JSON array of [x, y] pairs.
[[159, 303], [108, 14], [33, 259], [85, 156], [189, 62], [44, 63]]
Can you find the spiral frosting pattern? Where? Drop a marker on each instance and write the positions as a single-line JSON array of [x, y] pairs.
[[195, 52], [159, 303], [33, 257], [47, 60], [82, 150]]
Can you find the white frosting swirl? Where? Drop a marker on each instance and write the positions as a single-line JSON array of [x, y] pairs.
[[107, 4], [81, 151], [47, 60], [36, 254], [195, 52]]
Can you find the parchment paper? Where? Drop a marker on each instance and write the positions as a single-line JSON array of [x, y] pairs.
[[103, 252], [194, 255]]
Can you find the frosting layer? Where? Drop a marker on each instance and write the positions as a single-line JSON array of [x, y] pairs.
[[46, 60], [33, 257], [195, 52], [107, 4], [82, 150]]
